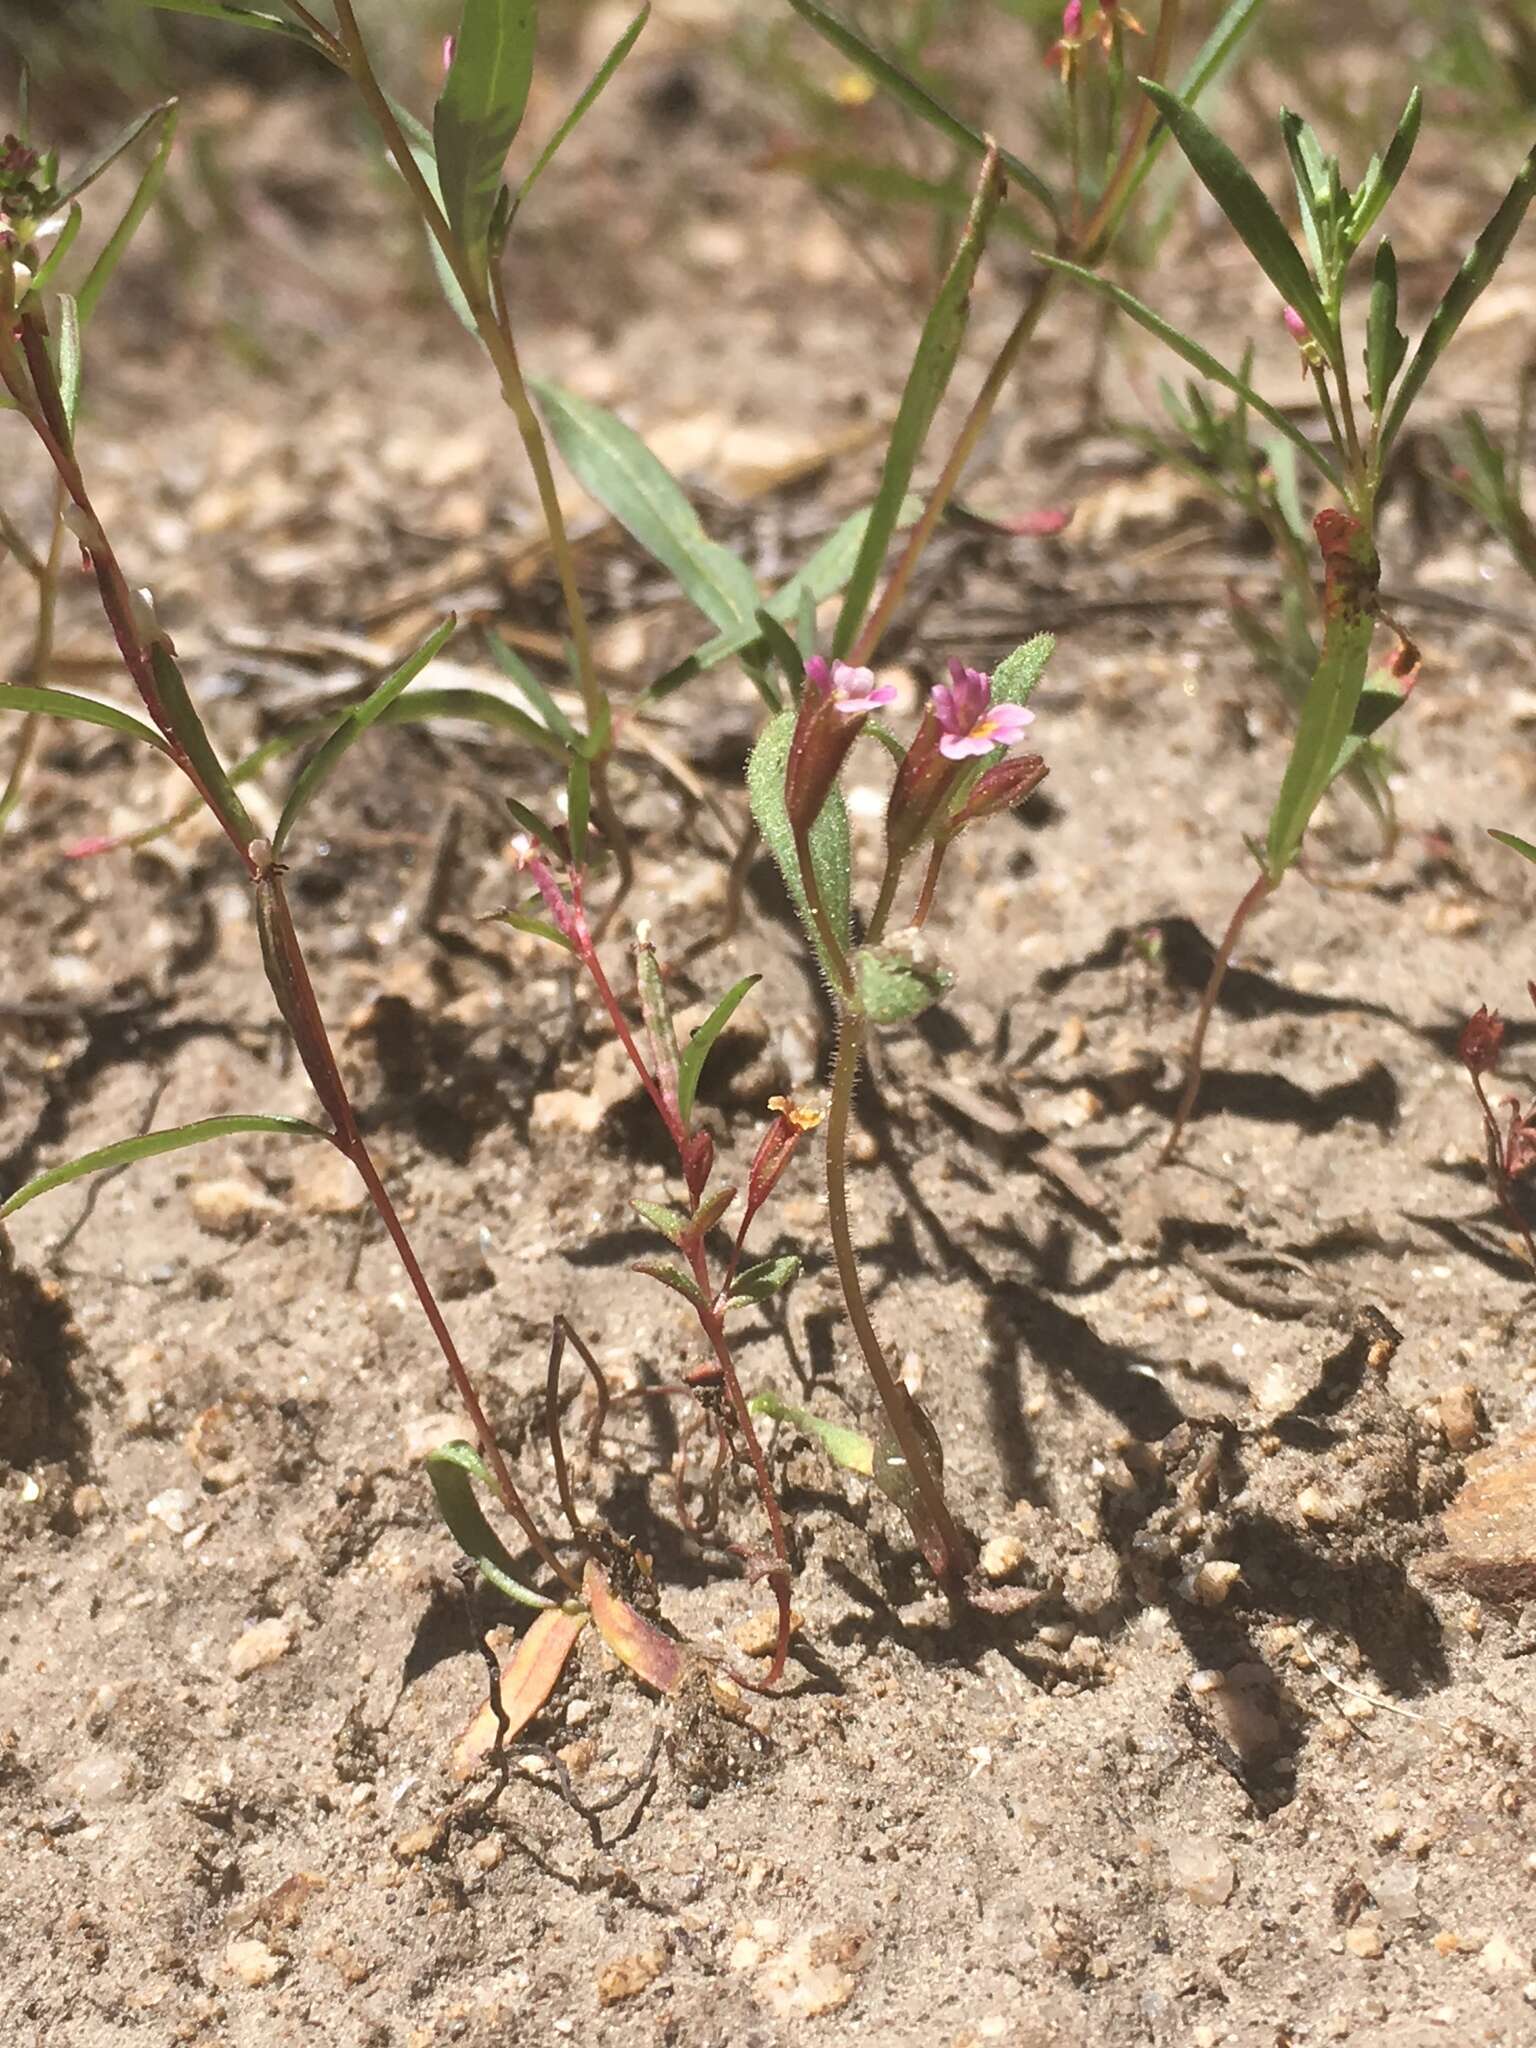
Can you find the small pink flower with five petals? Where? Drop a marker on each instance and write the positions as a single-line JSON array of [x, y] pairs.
[[850, 691], [969, 721]]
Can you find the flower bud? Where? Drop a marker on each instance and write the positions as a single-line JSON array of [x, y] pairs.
[[923, 783], [1481, 1038], [1001, 788]]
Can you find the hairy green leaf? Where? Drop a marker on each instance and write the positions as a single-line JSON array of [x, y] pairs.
[[830, 847], [127, 1150], [672, 1223], [767, 1277], [670, 1276], [893, 986]]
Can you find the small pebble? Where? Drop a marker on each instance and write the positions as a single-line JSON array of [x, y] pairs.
[[231, 1208], [253, 1963], [1201, 1869], [1366, 1942], [262, 1644]]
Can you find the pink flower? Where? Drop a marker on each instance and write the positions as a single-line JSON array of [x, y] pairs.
[[1072, 18], [850, 691], [969, 721], [1295, 326]]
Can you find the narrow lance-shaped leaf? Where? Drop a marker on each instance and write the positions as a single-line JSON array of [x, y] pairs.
[[104, 158], [1328, 712], [937, 350], [480, 110], [918, 100], [1211, 59], [578, 805], [1468, 285], [1520, 846], [1199, 359], [419, 143], [821, 577], [522, 677], [453, 1470], [829, 839], [126, 1151], [614, 464], [525, 1683], [583, 105], [1385, 343], [63, 243], [182, 715], [670, 1276], [145, 194], [85, 710], [1381, 180], [691, 1065], [325, 759], [242, 17], [1309, 174], [767, 1277], [849, 1448], [1240, 198], [70, 364]]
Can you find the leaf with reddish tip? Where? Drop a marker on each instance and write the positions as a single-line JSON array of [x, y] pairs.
[[652, 1656], [528, 1678]]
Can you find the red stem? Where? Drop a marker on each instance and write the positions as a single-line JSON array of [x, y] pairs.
[[1261, 888]]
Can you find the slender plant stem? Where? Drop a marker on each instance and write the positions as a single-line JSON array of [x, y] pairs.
[[35, 669], [1080, 247], [1497, 1172], [1258, 892], [956, 1560], [488, 309], [930, 883]]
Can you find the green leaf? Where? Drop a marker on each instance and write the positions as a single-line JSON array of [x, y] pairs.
[[917, 100], [453, 1469], [1381, 179], [937, 350], [63, 243], [127, 1150], [1211, 60], [181, 715], [672, 1223], [691, 1066], [522, 677], [537, 927], [1385, 343], [480, 110], [1520, 846], [241, 17], [1309, 171], [767, 1277], [1199, 359], [1238, 195], [846, 1447], [530, 822], [477, 707], [1463, 292], [671, 1276], [419, 143], [104, 159], [893, 986], [67, 342], [1328, 710], [1015, 677], [578, 806], [831, 854], [614, 464], [87, 710], [323, 762], [821, 577], [144, 196], [583, 105]]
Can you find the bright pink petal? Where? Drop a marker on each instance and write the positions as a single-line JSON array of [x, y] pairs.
[[961, 746]]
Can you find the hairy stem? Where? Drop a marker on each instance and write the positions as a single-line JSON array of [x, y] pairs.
[[956, 1559]]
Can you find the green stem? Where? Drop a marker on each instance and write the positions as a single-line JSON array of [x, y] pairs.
[[956, 1559]]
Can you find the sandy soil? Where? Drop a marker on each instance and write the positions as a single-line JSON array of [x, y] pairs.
[[235, 1653]]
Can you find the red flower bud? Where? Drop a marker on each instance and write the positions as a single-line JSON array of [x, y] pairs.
[[923, 782], [1000, 789], [1481, 1038]]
